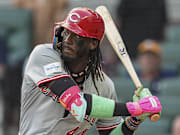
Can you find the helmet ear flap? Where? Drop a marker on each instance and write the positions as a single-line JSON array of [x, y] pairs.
[[58, 38], [58, 33]]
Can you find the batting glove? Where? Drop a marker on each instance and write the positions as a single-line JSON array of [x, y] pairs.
[[149, 104]]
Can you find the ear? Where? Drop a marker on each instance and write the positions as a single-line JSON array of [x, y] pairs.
[[93, 44]]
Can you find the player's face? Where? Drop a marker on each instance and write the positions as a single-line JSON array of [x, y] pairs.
[[74, 46]]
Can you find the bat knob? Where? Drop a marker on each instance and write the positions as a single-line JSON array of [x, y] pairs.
[[154, 117]]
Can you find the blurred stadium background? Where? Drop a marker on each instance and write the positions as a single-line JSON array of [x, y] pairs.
[[16, 29]]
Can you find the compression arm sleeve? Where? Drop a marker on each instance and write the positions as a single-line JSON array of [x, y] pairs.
[[101, 107]]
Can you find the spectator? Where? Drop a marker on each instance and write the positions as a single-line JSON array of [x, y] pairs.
[[45, 13], [11, 70], [13, 49], [10, 82], [150, 64], [176, 126], [139, 20]]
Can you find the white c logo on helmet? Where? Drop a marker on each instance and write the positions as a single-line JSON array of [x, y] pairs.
[[74, 20]]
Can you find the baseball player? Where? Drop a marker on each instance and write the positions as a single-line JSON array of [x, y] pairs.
[[69, 72]]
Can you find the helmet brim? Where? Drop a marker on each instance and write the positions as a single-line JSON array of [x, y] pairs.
[[73, 27]]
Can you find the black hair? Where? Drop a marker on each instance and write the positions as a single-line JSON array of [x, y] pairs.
[[96, 65]]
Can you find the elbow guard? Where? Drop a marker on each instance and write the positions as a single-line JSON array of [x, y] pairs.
[[73, 100], [69, 95]]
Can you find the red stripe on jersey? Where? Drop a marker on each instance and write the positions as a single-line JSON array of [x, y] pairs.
[[108, 128], [52, 79]]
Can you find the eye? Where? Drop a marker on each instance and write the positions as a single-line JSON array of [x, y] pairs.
[[77, 36], [65, 33]]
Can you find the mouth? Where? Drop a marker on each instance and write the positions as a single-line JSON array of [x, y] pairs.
[[67, 49]]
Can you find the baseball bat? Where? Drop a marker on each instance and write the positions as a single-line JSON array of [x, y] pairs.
[[118, 45]]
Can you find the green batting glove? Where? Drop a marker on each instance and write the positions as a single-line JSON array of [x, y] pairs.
[[143, 116], [142, 92]]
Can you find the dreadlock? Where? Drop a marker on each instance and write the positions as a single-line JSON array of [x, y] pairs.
[[96, 67]]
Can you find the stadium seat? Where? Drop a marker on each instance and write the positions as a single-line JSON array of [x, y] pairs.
[[170, 106], [160, 127], [171, 54], [170, 87], [17, 27], [92, 131], [124, 88], [172, 66], [172, 34]]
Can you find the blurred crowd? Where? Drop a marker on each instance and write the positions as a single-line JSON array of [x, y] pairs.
[[39, 18], [142, 24]]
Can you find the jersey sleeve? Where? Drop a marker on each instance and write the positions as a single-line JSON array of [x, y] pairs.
[[44, 65], [109, 123]]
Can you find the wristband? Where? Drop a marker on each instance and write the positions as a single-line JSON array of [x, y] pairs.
[[132, 123]]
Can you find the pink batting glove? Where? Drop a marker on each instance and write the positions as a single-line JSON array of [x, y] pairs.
[[149, 104]]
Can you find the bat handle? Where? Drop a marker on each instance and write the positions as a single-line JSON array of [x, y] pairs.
[[137, 93], [154, 117]]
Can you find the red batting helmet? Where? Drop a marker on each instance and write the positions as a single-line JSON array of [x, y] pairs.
[[84, 22]]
